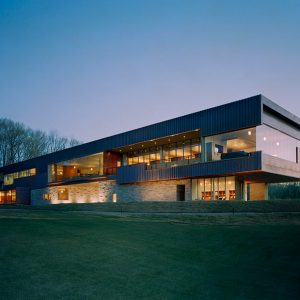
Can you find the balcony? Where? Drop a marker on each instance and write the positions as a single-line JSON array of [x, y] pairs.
[[176, 162], [108, 173], [189, 169]]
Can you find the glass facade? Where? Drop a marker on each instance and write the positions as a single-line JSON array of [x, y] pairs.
[[86, 166], [276, 143], [230, 145], [8, 197], [177, 151], [9, 178], [218, 188]]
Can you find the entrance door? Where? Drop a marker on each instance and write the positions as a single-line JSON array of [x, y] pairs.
[[180, 192]]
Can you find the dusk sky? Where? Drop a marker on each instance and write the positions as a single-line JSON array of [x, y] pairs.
[[90, 69]]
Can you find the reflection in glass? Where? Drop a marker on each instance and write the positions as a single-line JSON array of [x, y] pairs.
[[231, 144], [276, 143]]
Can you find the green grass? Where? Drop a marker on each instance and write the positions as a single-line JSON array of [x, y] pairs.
[[78, 255]]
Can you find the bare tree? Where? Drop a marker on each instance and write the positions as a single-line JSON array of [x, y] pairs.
[[18, 142]]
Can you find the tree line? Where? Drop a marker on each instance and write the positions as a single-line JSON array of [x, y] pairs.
[[19, 142], [290, 190]]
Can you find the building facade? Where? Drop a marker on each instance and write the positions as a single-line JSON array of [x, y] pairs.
[[229, 152]]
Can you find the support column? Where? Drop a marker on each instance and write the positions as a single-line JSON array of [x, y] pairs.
[[239, 190]]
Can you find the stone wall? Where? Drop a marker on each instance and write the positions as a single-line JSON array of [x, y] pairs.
[[103, 191], [147, 191], [78, 193]]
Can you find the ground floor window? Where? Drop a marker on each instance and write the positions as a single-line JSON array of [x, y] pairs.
[[218, 188], [63, 194], [47, 196], [8, 197]]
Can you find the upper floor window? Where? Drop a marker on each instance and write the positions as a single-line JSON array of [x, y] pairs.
[[171, 152], [87, 166], [9, 178], [276, 143], [230, 144]]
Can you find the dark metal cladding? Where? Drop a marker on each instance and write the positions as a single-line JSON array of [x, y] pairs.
[[232, 116], [139, 173]]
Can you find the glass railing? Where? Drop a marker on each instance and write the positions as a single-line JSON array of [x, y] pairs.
[[174, 162], [106, 172]]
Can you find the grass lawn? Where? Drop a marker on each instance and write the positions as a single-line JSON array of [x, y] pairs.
[[77, 255]]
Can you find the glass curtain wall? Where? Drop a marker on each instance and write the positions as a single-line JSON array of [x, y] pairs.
[[276, 143], [189, 149], [8, 197], [218, 188], [86, 166], [231, 144], [9, 178]]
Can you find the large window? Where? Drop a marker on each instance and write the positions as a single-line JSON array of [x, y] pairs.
[[8, 197], [63, 194], [219, 188], [187, 149], [276, 143], [86, 166], [231, 144], [9, 178]]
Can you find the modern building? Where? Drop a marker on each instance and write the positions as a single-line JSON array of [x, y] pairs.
[[223, 153]]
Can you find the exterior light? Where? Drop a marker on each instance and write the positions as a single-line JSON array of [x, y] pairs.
[[74, 167], [249, 132], [265, 138], [277, 143]]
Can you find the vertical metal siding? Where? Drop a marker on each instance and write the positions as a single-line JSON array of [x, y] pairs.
[[138, 173], [232, 116]]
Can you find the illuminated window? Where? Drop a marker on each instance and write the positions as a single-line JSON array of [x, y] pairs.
[[9, 178], [63, 194], [47, 196], [223, 188], [114, 197], [230, 145], [8, 197]]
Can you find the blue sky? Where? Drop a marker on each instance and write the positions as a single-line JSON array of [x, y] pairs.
[[89, 69]]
